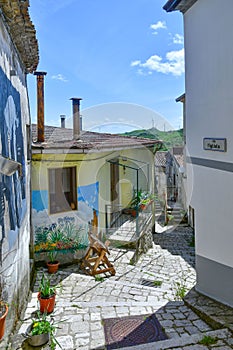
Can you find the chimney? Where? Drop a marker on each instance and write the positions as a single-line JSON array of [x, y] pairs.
[[40, 105], [81, 122], [76, 117], [63, 121]]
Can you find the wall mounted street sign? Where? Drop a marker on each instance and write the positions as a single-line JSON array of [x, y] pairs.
[[218, 144]]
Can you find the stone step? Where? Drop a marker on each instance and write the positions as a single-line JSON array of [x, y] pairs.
[[212, 312], [176, 210], [191, 341]]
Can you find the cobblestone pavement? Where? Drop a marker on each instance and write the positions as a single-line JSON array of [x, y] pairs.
[[154, 285]]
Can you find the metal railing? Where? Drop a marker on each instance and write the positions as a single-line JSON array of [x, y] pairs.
[[126, 220]]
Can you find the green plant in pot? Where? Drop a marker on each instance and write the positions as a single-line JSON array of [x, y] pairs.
[[40, 331], [46, 295], [53, 263], [133, 205], [3, 313], [146, 199]]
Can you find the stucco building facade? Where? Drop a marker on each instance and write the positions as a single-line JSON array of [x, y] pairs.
[[208, 29]]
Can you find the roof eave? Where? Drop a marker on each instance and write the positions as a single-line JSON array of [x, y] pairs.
[[40, 149], [181, 98], [16, 17], [171, 5], [180, 5]]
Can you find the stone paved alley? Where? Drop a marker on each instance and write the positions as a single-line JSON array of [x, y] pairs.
[[153, 285]]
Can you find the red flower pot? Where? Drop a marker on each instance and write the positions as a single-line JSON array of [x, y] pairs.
[[46, 304], [142, 206], [52, 266], [3, 321]]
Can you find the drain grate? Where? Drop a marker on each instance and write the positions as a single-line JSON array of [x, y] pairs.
[[132, 330], [148, 283]]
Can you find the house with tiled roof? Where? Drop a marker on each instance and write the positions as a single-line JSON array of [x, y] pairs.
[[18, 57], [86, 176], [208, 28]]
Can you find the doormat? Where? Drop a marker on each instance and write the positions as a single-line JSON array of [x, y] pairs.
[[132, 330]]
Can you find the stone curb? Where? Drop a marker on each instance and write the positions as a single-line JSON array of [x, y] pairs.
[[182, 341]]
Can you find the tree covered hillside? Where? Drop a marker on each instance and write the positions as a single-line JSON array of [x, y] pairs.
[[170, 138]]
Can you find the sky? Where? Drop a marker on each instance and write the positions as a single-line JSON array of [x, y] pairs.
[[124, 58]]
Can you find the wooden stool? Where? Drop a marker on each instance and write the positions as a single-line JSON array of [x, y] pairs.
[[95, 261]]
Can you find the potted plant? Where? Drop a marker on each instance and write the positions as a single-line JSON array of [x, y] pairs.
[[52, 264], [146, 199], [46, 295], [40, 331], [3, 313], [133, 206]]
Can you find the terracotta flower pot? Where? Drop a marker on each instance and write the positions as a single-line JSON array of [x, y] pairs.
[[46, 304], [3, 321], [133, 213], [52, 266]]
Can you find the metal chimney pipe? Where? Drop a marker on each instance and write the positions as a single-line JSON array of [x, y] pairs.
[[63, 121], [76, 117], [81, 122], [40, 105]]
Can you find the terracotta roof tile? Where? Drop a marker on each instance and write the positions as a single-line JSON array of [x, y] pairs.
[[56, 137], [161, 158], [180, 159]]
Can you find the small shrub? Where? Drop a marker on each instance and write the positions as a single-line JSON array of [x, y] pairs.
[[157, 283], [99, 278], [180, 290], [192, 242], [207, 340], [131, 262]]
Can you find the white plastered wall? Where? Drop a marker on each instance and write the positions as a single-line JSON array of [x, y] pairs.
[[209, 112]]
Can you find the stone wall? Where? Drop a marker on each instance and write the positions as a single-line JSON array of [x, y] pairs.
[[145, 241]]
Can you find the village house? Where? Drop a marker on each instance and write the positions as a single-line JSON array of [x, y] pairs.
[[18, 57], [171, 182], [208, 30], [87, 178]]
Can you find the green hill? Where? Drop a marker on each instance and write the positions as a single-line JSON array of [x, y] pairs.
[[170, 138]]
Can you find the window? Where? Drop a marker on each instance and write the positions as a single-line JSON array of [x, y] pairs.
[[62, 190]]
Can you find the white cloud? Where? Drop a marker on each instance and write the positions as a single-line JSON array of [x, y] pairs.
[[178, 39], [158, 25], [135, 63], [174, 63], [59, 77]]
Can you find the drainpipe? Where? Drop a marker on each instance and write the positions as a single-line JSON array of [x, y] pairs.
[[40, 105], [63, 121], [76, 117]]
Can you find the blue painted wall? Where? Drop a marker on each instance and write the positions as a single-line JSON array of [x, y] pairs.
[[12, 188]]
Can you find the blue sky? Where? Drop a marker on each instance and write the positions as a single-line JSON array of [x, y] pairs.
[[116, 55]]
